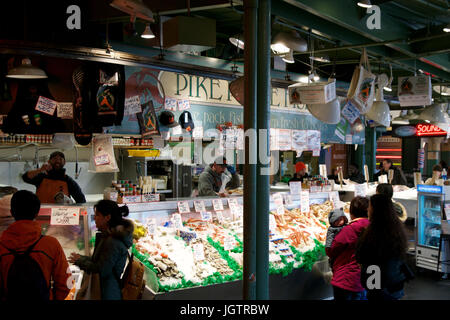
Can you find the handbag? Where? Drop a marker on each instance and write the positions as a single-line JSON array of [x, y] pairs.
[[362, 86], [90, 287]]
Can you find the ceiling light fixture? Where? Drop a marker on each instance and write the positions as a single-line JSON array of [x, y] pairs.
[[285, 41], [147, 34], [26, 71], [324, 59], [238, 41], [289, 57], [388, 87], [365, 4], [446, 28], [435, 114]]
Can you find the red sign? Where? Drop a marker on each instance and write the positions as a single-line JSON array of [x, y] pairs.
[[429, 130]]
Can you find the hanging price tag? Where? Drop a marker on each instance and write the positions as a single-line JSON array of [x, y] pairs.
[[151, 225], [295, 187], [304, 201], [360, 190], [206, 215], [183, 207], [219, 215], [65, 216], [272, 222], [218, 205], [177, 222], [199, 205], [229, 243], [199, 252]]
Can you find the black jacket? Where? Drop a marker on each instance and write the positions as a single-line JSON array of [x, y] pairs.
[[399, 177], [357, 177], [74, 188], [295, 178]]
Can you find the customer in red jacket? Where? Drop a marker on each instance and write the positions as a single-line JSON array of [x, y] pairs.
[[48, 253], [346, 271]]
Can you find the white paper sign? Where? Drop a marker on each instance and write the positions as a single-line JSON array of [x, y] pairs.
[[170, 104], [288, 199], [278, 199], [184, 105], [65, 216], [360, 190], [234, 208], [382, 179], [295, 187], [232, 201], [218, 205], [350, 112], [272, 222], [132, 106], [102, 159], [206, 215], [199, 252], [199, 205], [176, 130], [151, 225], [334, 197], [65, 110], [46, 105], [177, 222], [313, 137], [229, 243], [183, 207], [284, 139], [299, 139], [219, 215], [304, 201], [280, 210], [323, 170]]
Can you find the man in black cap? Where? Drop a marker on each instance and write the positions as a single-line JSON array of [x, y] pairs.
[[210, 181], [51, 180]]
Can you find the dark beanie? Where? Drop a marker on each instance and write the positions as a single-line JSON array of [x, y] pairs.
[[57, 153]]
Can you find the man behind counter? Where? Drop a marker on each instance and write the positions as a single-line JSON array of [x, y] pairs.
[[300, 172], [51, 179], [398, 179], [210, 180]]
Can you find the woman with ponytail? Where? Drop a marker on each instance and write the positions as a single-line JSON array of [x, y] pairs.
[[112, 241]]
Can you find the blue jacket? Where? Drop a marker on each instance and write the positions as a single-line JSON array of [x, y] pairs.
[[109, 258]]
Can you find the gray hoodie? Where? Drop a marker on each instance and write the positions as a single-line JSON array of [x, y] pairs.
[[333, 216], [209, 182]]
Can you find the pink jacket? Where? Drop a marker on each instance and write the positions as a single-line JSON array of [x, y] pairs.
[[346, 271]]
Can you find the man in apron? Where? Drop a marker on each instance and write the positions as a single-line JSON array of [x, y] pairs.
[[51, 181]]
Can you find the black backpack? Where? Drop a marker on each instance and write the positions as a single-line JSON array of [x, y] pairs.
[[25, 280]]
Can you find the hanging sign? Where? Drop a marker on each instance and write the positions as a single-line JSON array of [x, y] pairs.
[[183, 207], [218, 205], [46, 105], [284, 139], [414, 91], [199, 206], [350, 112], [65, 216], [341, 129], [299, 139], [429, 130]]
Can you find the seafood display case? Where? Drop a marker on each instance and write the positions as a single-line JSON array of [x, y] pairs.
[[198, 254], [430, 205]]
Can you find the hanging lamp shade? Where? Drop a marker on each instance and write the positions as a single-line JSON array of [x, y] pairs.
[[401, 119], [380, 112], [327, 112], [284, 41], [26, 71], [237, 89], [238, 41], [289, 57], [435, 114], [147, 34]]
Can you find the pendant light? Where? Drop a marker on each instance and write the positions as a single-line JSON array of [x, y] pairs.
[[238, 41], [388, 87], [26, 71], [289, 57], [401, 119], [364, 4], [446, 28], [147, 34], [435, 115], [285, 41]]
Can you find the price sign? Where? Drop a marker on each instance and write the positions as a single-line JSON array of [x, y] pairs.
[[229, 243], [220, 216], [304, 201], [280, 210], [278, 199], [199, 252], [183, 207], [206, 215], [177, 222], [151, 225], [218, 205], [360, 190], [382, 179], [65, 216], [151, 197], [46, 105], [199, 206], [65, 110], [234, 208], [101, 159], [272, 222], [132, 106], [334, 197], [233, 201], [197, 133], [295, 187]]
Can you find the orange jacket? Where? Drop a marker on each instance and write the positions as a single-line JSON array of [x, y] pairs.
[[22, 234]]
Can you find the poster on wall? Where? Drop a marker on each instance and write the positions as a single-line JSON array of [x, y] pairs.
[[313, 138], [299, 140], [170, 104], [274, 141]]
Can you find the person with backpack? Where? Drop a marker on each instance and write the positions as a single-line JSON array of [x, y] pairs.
[[30, 262], [110, 255]]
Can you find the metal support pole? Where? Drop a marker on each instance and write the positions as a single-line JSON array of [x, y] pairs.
[[263, 122], [371, 149], [250, 103]]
